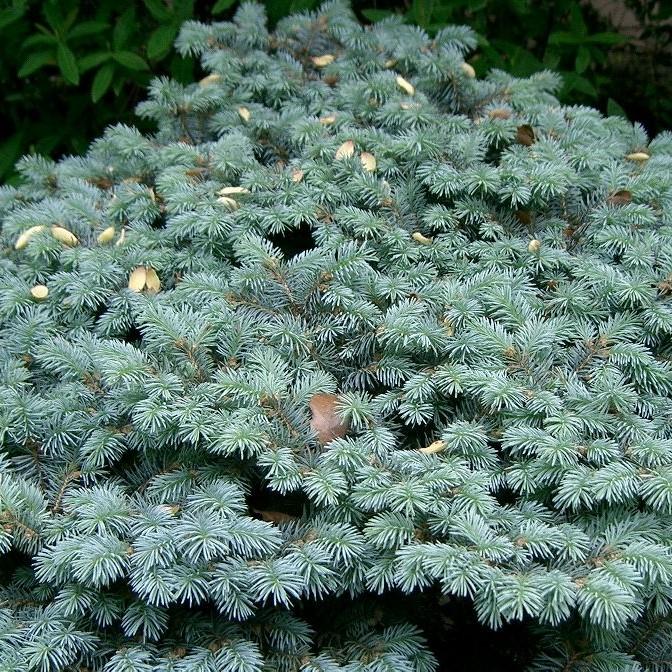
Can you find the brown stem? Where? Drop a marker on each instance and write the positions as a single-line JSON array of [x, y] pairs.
[[69, 477]]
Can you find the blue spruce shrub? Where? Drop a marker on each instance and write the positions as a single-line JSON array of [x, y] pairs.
[[354, 347]]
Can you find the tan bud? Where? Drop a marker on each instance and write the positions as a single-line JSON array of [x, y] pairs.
[[137, 279], [152, 282], [432, 448], [64, 236], [328, 120], [232, 191], [499, 113], [368, 161], [534, 246], [323, 61], [229, 202], [210, 79], [468, 70], [25, 237], [244, 113], [390, 62], [405, 85], [346, 150], [107, 235], [419, 238], [297, 175], [638, 156], [39, 291]]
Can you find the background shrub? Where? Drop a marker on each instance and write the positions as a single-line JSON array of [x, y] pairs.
[[68, 68]]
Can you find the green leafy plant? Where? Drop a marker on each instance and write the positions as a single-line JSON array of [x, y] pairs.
[[59, 58], [62, 57]]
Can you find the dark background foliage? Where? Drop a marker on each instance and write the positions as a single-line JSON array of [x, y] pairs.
[[68, 68]]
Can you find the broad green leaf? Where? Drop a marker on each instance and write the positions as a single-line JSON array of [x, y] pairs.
[[35, 62], [578, 23], [86, 28], [160, 42], [130, 60], [524, 63], [70, 19], [93, 60], [101, 82], [222, 6], [552, 57], [11, 14], [564, 37], [52, 14], [124, 28], [302, 5], [182, 11], [47, 143], [10, 151], [39, 39], [421, 12], [578, 83], [374, 15], [45, 31], [615, 110], [442, 14], [158, 10], [582, 60], [521, 7], [607, 38], [67, 63], [182, 69], [118, 85]]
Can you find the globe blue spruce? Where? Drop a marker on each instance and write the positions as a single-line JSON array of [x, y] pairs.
[[354, 333]]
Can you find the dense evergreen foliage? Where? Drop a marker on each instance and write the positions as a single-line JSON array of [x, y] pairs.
[[353, 329]]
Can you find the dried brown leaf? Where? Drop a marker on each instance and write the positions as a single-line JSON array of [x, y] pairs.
[[621, 197], [325, 421], [275, 517], [525, 135]]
